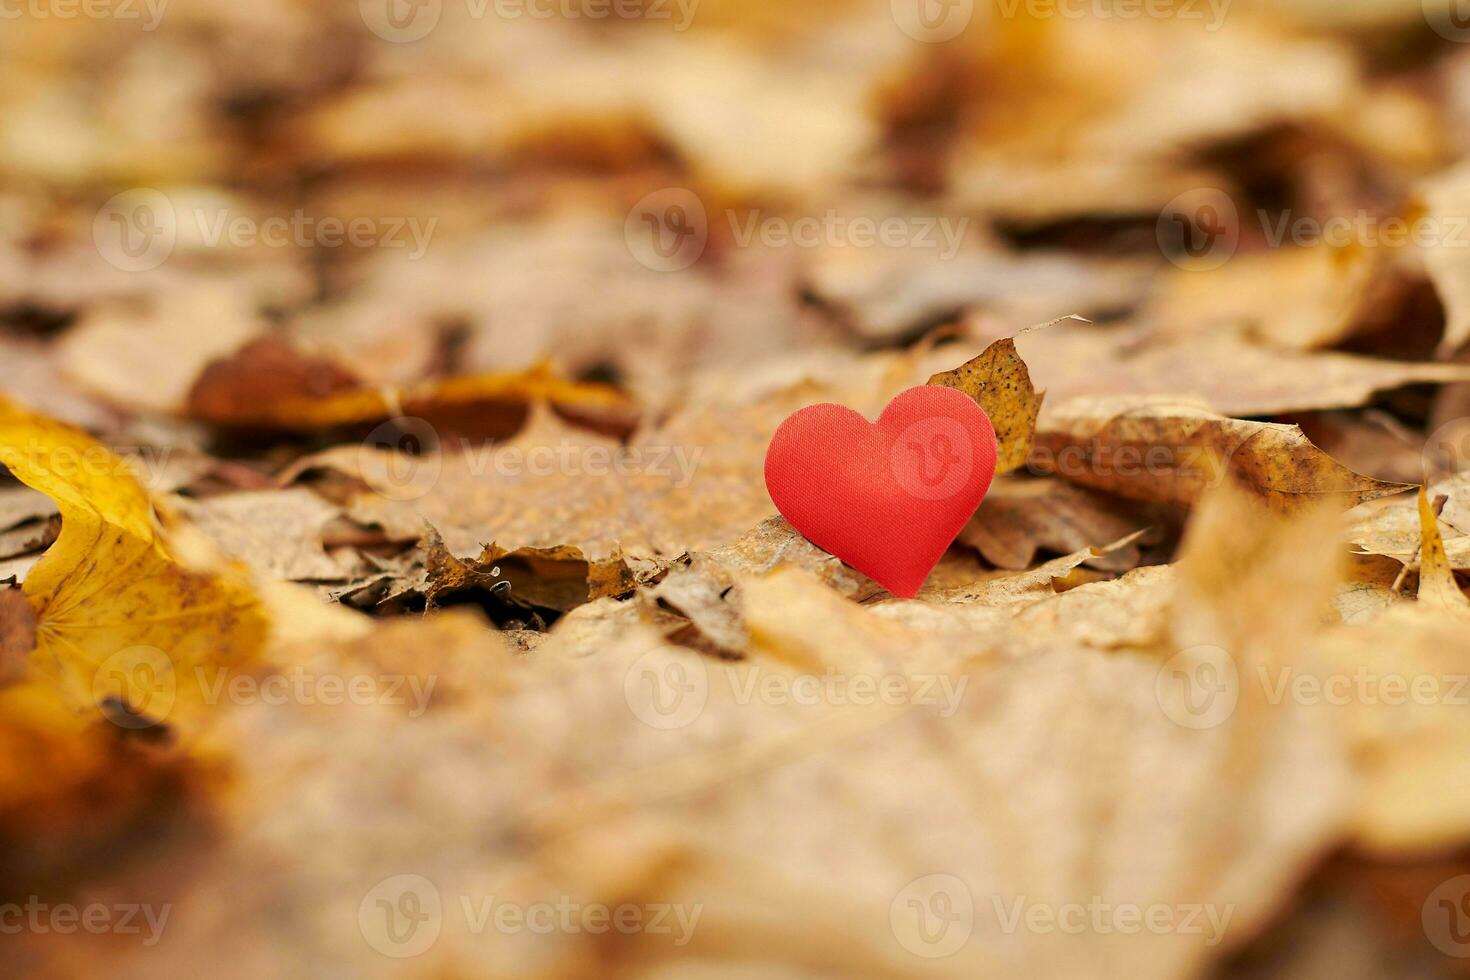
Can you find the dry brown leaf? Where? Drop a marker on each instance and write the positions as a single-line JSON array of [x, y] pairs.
[[1393, 527], [1233, 376], [269, 386], [998, 380], [1010, 764], [1298, 298], [1170, 451], [1098, 113], [277, 533]]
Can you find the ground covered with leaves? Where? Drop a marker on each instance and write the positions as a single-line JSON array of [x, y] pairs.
[[388, 579]]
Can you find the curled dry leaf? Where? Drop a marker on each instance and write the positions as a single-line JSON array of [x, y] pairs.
[[117, 615], [1170, 451], [998, 380], [270, 386]]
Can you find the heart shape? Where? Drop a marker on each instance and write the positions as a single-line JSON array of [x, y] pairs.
[[888, 497]]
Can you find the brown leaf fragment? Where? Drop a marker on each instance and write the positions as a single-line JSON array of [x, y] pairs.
[[240, 389], [269, 385], [998, 381], [1171, 451], [17, 634]]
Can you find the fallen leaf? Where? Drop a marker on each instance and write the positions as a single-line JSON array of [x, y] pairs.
[[309, 395], [1437, 585], [1169, 451], [117, 615], [277, 533], [1233, 376], [998, 381]]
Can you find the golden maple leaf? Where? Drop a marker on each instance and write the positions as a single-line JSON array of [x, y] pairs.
[[121, 623]]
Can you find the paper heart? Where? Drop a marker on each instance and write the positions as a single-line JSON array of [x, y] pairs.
[[887, 497]]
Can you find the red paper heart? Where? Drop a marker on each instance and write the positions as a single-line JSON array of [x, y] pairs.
[[887, 498]]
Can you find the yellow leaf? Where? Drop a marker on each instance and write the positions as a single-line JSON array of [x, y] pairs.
[[120, 622], [1437, 584], [999, 381]]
